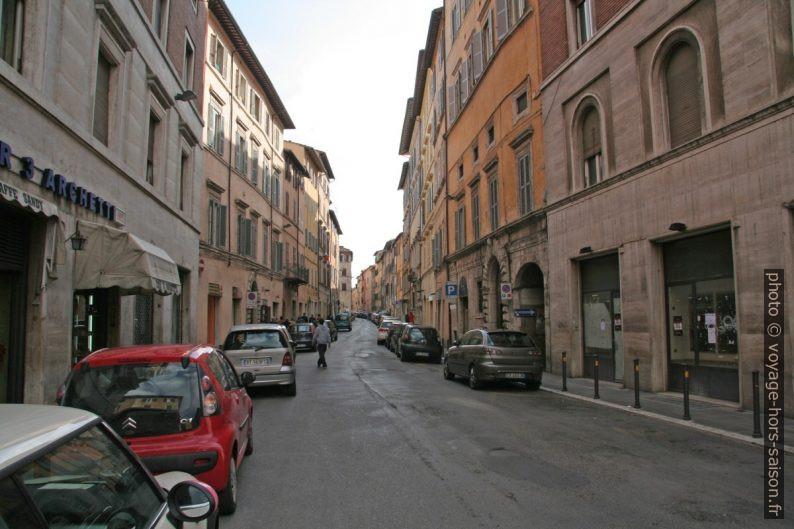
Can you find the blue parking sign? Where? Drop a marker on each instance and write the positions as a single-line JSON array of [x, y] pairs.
[[451, 290]]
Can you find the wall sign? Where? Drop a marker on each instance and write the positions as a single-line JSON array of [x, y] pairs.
[[678, 325], [506, 290], [58, 185]]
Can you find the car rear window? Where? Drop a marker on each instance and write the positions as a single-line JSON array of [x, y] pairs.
[[302, 327], [160, 398], [429, 333], [342, 317], [255, 339], [386, 324], [511, 339]]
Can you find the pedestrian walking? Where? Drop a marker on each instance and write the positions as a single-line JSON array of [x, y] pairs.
[[322, 340]]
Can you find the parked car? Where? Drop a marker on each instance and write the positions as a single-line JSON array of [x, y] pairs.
[[484, 356], [303, 336], [383, 329], [179, 407], [393, 335], [64, 467], [343, 322], [264, 349], [419, 341], [334, 331]]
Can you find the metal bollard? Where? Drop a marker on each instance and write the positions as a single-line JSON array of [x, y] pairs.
[[686, 393], [595, 378], [756, 406], [564, 372], [637, 383]]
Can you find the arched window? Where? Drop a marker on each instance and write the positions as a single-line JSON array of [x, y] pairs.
[[683, 88], [592, 153]]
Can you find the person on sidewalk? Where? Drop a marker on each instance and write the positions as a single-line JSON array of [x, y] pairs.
[[322, 340]]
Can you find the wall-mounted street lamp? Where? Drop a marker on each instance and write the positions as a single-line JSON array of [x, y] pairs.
[[77, 239], [187, 95], [586, 249], [677, 226]]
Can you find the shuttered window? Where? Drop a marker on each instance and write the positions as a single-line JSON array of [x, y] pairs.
[[476, 51], [682, 80], [501, 19], [591, 147]]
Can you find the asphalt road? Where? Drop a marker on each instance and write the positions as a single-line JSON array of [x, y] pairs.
[[372, 442]]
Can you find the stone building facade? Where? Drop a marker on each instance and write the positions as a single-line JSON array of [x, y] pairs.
[[100, 166], [667, 132]]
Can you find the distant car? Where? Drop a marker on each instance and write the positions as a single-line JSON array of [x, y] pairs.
[[393, 335], [483, 356], [344, 322], [264, 349], [64, 467], [383, 330], [302, 334], [332, 328], [419, 342], [179, 407]]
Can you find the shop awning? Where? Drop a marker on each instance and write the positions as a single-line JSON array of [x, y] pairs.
[[116, 258]]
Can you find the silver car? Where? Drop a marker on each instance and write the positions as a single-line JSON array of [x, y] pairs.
[[483, 356], [264, 349], [66, 467]]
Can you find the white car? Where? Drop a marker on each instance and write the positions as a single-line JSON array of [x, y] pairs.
[[383, 329], [66, 467]]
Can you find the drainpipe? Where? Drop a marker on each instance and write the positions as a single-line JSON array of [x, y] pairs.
[[446, 176], [229, 168]]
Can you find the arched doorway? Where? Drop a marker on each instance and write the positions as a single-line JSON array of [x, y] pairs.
[[463, 313], [529, 302], [495, 319]]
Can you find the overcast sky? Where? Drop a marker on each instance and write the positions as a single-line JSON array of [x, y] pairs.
[[344, 69]]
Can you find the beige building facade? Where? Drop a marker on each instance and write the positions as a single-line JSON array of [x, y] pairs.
[[248, 232], [345, 279]]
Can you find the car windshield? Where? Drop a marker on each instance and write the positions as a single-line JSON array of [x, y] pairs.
[[510, 339], [255, 339], [88, 481], [159, 398]]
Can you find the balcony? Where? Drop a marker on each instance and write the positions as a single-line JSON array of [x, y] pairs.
[[296, 274]]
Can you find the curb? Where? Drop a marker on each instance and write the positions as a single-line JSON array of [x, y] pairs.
[[672, 420]]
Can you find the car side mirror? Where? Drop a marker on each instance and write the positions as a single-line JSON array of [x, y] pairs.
[[192, 501], [247, 378]]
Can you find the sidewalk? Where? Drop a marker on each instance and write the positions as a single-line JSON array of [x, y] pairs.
[[707, 415]]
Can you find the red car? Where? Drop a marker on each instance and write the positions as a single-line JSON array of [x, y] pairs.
[[179, 407]]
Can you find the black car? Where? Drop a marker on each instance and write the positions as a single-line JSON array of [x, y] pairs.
[[343, 322], [395, 331], [303, 335], [419, 341]]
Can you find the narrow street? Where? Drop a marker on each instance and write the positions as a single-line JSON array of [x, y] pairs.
[[375, 443]]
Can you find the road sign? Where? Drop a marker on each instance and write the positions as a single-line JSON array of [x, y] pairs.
[[524, 313], [507, 291], [451, 290]]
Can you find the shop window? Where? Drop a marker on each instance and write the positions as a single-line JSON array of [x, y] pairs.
[[142, 328]]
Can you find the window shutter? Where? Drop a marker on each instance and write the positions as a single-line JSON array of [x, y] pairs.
[[683, 95], [476, 49], [464, 82], [222, 237], [213, 50], [219, 130], [451, 99], [591, 135], [501, 19], [210, 126]]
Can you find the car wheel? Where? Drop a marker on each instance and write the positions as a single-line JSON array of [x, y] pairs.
[[403, 357], [227, 498], [449, 375], [292, 389], [533, 385], [474, 382], [249, 446]]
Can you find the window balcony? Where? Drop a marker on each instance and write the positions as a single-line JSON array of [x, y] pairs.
[[296, 274]]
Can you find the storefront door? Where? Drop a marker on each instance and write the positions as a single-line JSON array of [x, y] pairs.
[[11, 326], [601, 333], [701, 314], [89, 322]]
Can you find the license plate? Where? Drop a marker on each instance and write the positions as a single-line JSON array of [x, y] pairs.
[[266, 361], [515, 375], [422, 354]]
